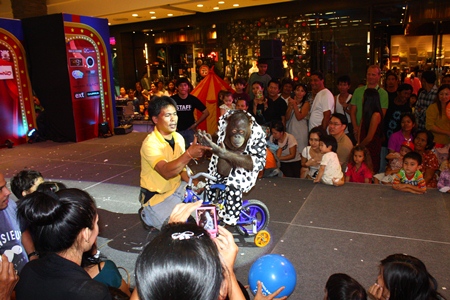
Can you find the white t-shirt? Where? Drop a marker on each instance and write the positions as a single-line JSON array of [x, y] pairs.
[[332, 168], [340, 109], [323, 101]]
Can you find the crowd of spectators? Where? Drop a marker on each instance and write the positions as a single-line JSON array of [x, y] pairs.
[[64, 226], [376, 118]]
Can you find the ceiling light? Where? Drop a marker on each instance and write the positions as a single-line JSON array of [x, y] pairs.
[[152, 12], [216, 8], [199, 5], [134, 15], [170, 15], [221, 2], [235, 5], [152, 17]]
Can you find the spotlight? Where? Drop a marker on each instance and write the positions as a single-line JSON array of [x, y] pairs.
[[103, 130], [34, 137], [8, 144]]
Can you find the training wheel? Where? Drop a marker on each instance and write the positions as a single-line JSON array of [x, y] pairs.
[[262, 238]]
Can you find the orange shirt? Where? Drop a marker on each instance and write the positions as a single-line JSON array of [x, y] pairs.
[[271, 162]]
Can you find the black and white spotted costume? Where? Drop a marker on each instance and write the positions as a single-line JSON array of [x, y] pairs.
[[239, 180]]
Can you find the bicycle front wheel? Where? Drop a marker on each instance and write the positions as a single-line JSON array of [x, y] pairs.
[[253, 210]]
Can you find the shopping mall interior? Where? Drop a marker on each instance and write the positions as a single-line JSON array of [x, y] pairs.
[[321, 229], [336, 37]]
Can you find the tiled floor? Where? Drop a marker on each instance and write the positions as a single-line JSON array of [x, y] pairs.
[[320, 229]]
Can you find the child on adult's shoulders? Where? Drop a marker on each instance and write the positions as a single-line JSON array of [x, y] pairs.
[[395, 163], [410, 179], [330, 171]]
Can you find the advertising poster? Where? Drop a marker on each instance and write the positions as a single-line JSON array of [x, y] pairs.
[[87, 64], [16, 113]]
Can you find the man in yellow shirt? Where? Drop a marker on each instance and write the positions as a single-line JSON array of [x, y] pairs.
[[163, 163]]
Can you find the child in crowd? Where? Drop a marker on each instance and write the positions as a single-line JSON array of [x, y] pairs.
[[272, 166], [342, 287], [145, 110], [444, 179], [410, 179], [227, 99], [395, 163], [330, 171], [239, 86], [359, 167], [135, 100], [242, 104]]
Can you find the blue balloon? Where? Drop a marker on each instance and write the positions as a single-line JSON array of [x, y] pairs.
[[274, 271]]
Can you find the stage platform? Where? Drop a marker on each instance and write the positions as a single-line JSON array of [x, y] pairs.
[[320, 229]]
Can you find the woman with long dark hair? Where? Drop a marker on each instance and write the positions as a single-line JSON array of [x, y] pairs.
[[423, 144], [63, 226], [404, 277], [370, 131]]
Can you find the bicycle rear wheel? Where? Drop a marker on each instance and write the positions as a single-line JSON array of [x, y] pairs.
[[252, 210]]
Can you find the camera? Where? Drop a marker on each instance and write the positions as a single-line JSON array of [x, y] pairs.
[[206, 217]]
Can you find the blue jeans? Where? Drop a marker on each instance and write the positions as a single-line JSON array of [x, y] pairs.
[[157, 215]]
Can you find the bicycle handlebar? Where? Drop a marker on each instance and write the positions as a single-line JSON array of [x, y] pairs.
[[206, 175]]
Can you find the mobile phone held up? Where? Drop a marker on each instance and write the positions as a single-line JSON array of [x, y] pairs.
[[206, 216]]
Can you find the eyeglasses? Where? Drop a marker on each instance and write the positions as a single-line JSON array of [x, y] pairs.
[[334, 124]]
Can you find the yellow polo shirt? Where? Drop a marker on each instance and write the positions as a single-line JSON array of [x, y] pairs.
[[155, 149]]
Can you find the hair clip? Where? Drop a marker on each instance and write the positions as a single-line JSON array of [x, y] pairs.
[[184, 235]]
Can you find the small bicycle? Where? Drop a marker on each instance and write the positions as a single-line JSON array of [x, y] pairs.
[[254, 216]]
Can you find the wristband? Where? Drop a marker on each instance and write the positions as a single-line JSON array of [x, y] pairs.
[[187, 151], [34, 253]]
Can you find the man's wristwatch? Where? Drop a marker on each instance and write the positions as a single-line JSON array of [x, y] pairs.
[[34, 253]]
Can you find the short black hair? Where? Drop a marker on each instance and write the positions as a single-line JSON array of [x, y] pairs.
[[414, 156], [329, 140], [390, 73], [23, 181], [344, 78], [242, 99], [342, 287], [404, 87], [182, 80], [429, 76], [158, 103], [241, 81], [274, 81], [341, 118], [318, 74], [262, 61], [286, 81]]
